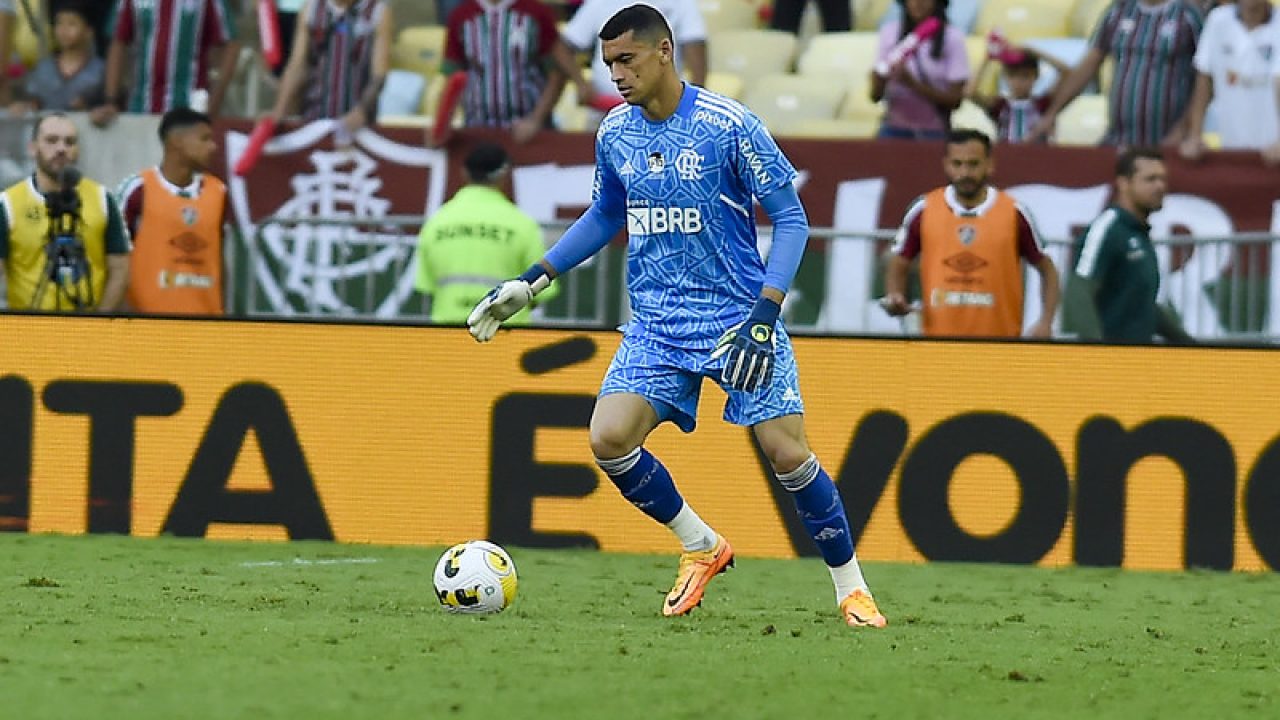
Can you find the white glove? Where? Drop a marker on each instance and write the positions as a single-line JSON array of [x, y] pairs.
[[499, 304]]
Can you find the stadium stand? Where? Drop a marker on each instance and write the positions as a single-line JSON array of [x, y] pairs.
[[750, 54], [1083, 122], [1020, 20], [419, 49], [726, 15], [783, 100]]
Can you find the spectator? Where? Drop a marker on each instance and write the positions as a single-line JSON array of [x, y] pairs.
[[476, 240], [507, 79], [176, 42], [1238, 66], [71, 78], [971, 240], [1153, 43], [1112, 293], [581, 35], [176, 213], [922, 90], [341, 54], [63, 245], [287, 12], [8, 18], [1017, 113], [837, 15]]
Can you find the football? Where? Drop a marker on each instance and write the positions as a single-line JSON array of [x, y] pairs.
[[476, 578]]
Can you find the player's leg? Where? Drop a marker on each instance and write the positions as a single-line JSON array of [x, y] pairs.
[[776, 415], [821, 510], [622, 419]]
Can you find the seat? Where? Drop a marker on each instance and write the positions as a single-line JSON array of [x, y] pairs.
[[960, 13], [569, 115], [419, 49], [976, 48], [750, 54], [1085, 15], [868, 14], [724, 15], [726, 84], [1019, 20], [838, 128], [784, 100], [836, 55], [971, 117], [857, 103], [1083, 122]]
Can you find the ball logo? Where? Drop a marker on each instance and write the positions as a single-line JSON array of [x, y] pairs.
[[497, 563], [761, 333]]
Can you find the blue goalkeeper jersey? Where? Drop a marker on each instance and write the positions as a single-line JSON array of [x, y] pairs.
[[686, 186]]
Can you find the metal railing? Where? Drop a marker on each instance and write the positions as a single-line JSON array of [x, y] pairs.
[[363, 268]]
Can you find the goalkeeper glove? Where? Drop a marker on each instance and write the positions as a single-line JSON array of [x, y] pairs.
[[505, 300], [748, 348]]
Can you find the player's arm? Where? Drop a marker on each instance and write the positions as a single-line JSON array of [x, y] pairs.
[[905, 248], [586, 237], [118, 247], [121, 38], [1031, 248], [366, 108], [1081, 302]]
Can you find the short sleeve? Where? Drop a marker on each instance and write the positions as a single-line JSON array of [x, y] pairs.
[[906, 243], [758, 160], [121, 23], [1104, 32], [1095, 250], [117, 237], [546, 28], [580, 32], [887, 39], [4, 227], [957, 56], [1203, 59], [1030, 245], [219, 29]]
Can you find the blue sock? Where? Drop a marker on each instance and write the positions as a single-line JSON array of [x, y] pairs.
[[645, 482], [821, 511]]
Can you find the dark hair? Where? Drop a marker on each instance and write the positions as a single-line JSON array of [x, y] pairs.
[[35, 129], [180, 119], [940, 12], [1028, 61], [646, 22], [967, 135], [78, 7], [1127, 161], [485, 161]]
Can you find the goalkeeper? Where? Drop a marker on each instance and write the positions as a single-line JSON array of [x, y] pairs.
[[680, 168]]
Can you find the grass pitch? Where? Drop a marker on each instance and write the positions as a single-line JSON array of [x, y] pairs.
[[115, 627]]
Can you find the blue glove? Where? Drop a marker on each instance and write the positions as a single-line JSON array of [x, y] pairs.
[[748, 348]]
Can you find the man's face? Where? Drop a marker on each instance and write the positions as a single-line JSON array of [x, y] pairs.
[[56, 146], [635, 66], [1145, 191], [967, 165], [196, 146]]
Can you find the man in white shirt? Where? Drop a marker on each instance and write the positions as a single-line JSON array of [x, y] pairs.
[[581, 35], [1238, 66]]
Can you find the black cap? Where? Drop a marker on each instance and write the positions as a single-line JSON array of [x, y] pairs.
[[486, 161]]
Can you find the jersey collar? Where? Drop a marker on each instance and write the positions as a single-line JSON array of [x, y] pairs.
[[954, 203], [190, 191]]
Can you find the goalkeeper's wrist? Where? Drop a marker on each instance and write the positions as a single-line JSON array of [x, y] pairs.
[[765, 312], [537, 278]]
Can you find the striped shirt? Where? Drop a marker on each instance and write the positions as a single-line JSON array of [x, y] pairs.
[[340, 55], [1153, 47], [173, 39], [1014, 119], [502, 46]]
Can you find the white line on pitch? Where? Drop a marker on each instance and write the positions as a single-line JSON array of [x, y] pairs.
[[301, 561]]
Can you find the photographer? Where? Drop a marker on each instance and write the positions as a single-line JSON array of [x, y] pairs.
[[62, 240]]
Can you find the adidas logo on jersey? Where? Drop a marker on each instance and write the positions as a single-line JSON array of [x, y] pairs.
[[626, 169], [657, 220]]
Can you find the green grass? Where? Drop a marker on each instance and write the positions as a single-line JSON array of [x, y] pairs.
[[132, 628]]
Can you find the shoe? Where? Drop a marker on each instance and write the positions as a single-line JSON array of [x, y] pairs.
[[696, 570], [859, 610]]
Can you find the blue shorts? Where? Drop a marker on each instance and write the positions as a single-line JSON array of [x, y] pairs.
[[670, 378]]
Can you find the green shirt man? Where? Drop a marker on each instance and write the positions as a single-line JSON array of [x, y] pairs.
[[475, 241], [1112, 292]]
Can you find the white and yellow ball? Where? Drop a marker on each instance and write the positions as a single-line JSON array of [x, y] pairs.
[[475, 577]]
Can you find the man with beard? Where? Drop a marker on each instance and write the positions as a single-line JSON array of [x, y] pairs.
[[971, 240], [63, 246], [176, 213], [1112, 293]]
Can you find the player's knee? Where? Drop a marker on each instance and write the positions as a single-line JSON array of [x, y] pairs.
[[787, 455], [612, 440]]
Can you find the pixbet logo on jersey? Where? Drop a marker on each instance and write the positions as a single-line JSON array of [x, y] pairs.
[[656, 220]]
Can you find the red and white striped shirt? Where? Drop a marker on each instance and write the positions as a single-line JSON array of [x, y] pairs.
[[502, 46], [173, 38]]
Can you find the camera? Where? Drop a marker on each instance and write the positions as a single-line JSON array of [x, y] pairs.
[[66, 266]]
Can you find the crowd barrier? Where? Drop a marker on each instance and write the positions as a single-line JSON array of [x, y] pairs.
[[1216, 233], [1021, 452]]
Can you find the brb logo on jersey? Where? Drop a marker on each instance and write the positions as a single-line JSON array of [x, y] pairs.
[[658, 220]]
